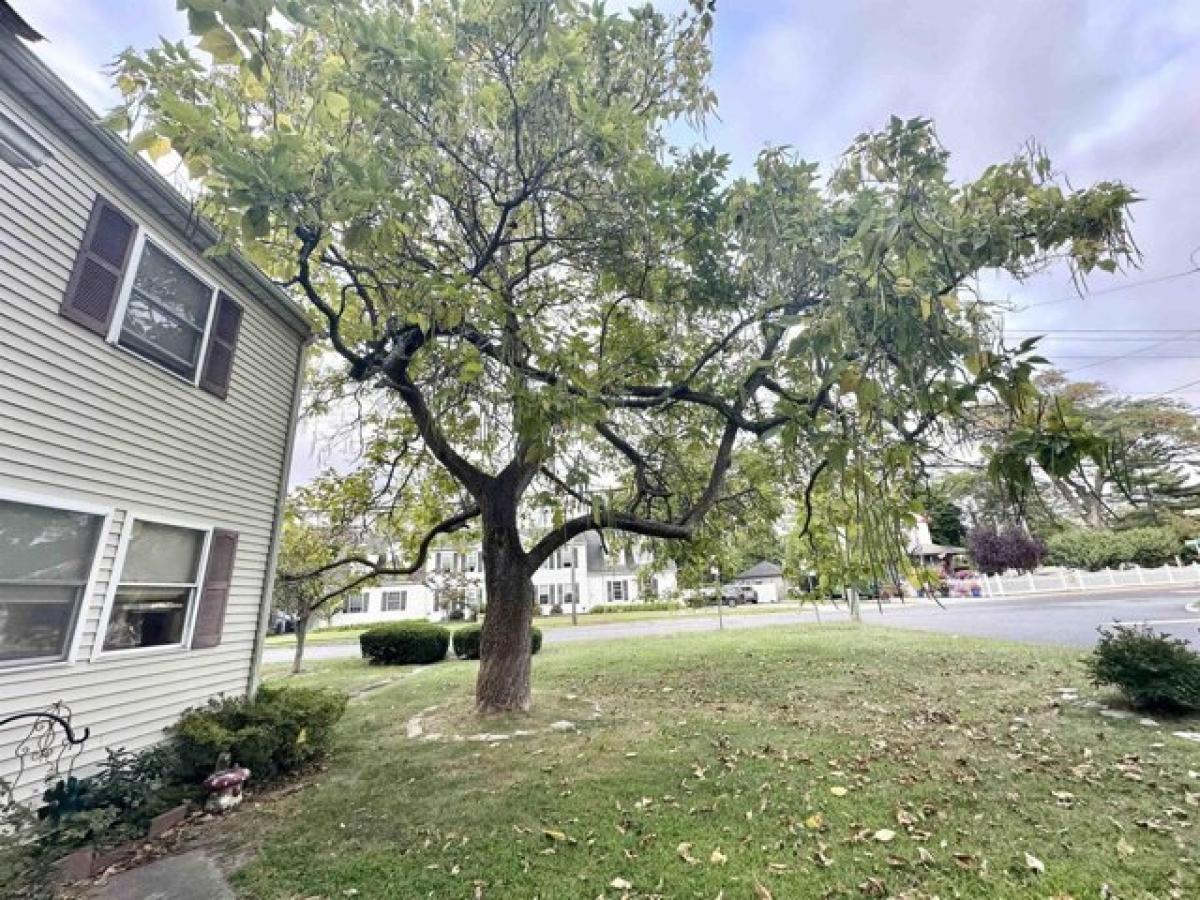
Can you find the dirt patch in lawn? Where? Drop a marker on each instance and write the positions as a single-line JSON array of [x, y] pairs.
[[456, 720]]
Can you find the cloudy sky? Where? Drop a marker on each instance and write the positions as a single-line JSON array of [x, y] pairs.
[[1110, 87]]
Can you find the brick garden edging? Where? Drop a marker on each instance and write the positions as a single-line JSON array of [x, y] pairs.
[[88, 862]]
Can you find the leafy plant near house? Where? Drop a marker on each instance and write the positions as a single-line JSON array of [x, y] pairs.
[[1153, 671], [281, 730], [405, 643], [467, 641], [532, 294], [116, 803]]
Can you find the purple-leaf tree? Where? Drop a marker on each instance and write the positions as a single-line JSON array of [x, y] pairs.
[[996, 551]]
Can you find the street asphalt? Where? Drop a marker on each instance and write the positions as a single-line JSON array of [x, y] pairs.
[[1064, 619]]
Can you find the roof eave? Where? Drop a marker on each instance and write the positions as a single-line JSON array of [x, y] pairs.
[[59, 107]]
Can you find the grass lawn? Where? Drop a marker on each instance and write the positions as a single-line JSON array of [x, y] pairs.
[[346, 636], [808, 762]]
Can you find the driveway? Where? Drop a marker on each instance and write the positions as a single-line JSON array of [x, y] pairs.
[[1070, 619]]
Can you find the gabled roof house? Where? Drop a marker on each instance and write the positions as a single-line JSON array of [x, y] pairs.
[[147, 411]]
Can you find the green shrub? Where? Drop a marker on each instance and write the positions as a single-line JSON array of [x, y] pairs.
[[657, 606], [404, 643], [468, 640], [1153, 671], [115, 804], [281, 730], [1081, 548]]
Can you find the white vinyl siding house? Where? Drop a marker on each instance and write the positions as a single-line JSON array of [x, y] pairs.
[[146, 460]]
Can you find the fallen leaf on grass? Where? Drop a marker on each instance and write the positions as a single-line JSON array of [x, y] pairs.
[[1034, 864], [685, 853], [883, 835], [1124, 848], [924, 857], [620, 884], [815, 822], [761, 892], [718, 858], [838, 791]]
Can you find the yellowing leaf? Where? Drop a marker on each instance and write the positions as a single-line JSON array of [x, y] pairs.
[[814, 822], [718, 858], [838, 791], [159, 148], [554, 835]]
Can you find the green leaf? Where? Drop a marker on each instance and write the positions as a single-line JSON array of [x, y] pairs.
[[222, 45]]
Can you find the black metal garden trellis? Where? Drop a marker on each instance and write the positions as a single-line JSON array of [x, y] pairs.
[[43, 746]]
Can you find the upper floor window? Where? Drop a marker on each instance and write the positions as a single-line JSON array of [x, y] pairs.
[[562, 558], [128, 289], [166, 315], [46, 557]]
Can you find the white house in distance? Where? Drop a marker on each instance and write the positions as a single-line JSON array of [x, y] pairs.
[[580, 571], [147, 407], [765, 578]]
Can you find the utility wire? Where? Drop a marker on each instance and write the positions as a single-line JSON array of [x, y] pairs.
[[1112, 290]]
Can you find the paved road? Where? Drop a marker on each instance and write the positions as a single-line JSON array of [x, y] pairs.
[[1070, 619]]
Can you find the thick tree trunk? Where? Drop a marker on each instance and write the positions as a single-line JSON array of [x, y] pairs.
[[504, 654], [301, 636]]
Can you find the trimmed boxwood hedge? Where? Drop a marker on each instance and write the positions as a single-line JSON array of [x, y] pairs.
[[405, 643], [467, 641]]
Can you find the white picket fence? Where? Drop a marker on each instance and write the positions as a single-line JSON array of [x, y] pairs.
[[1061, 581]]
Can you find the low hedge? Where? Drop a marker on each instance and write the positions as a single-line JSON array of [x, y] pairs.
[[1084, 549], [281, 730], [405, 643], [656, 606], [468, 640]]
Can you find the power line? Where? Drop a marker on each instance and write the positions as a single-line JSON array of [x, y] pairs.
[[1112, 290], [1099, 330]]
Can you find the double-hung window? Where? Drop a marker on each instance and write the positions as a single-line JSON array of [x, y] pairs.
[[46, 558], [618, 591], [127, 288], [167, 313], [394, 601], [157, 587], [355, 603]]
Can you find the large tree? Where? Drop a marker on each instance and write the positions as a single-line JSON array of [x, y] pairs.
[[536, 301], [1087, 454]]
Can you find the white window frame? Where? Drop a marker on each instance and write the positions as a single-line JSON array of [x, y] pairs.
[[67, 504], [114, 584], [130, 275], [366, 602], [399, 592]]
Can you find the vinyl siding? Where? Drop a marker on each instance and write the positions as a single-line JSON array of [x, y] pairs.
[[85, 421]]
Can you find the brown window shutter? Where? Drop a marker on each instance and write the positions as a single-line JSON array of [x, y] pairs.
[[91, 298], [214, 593], [218, 363]]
